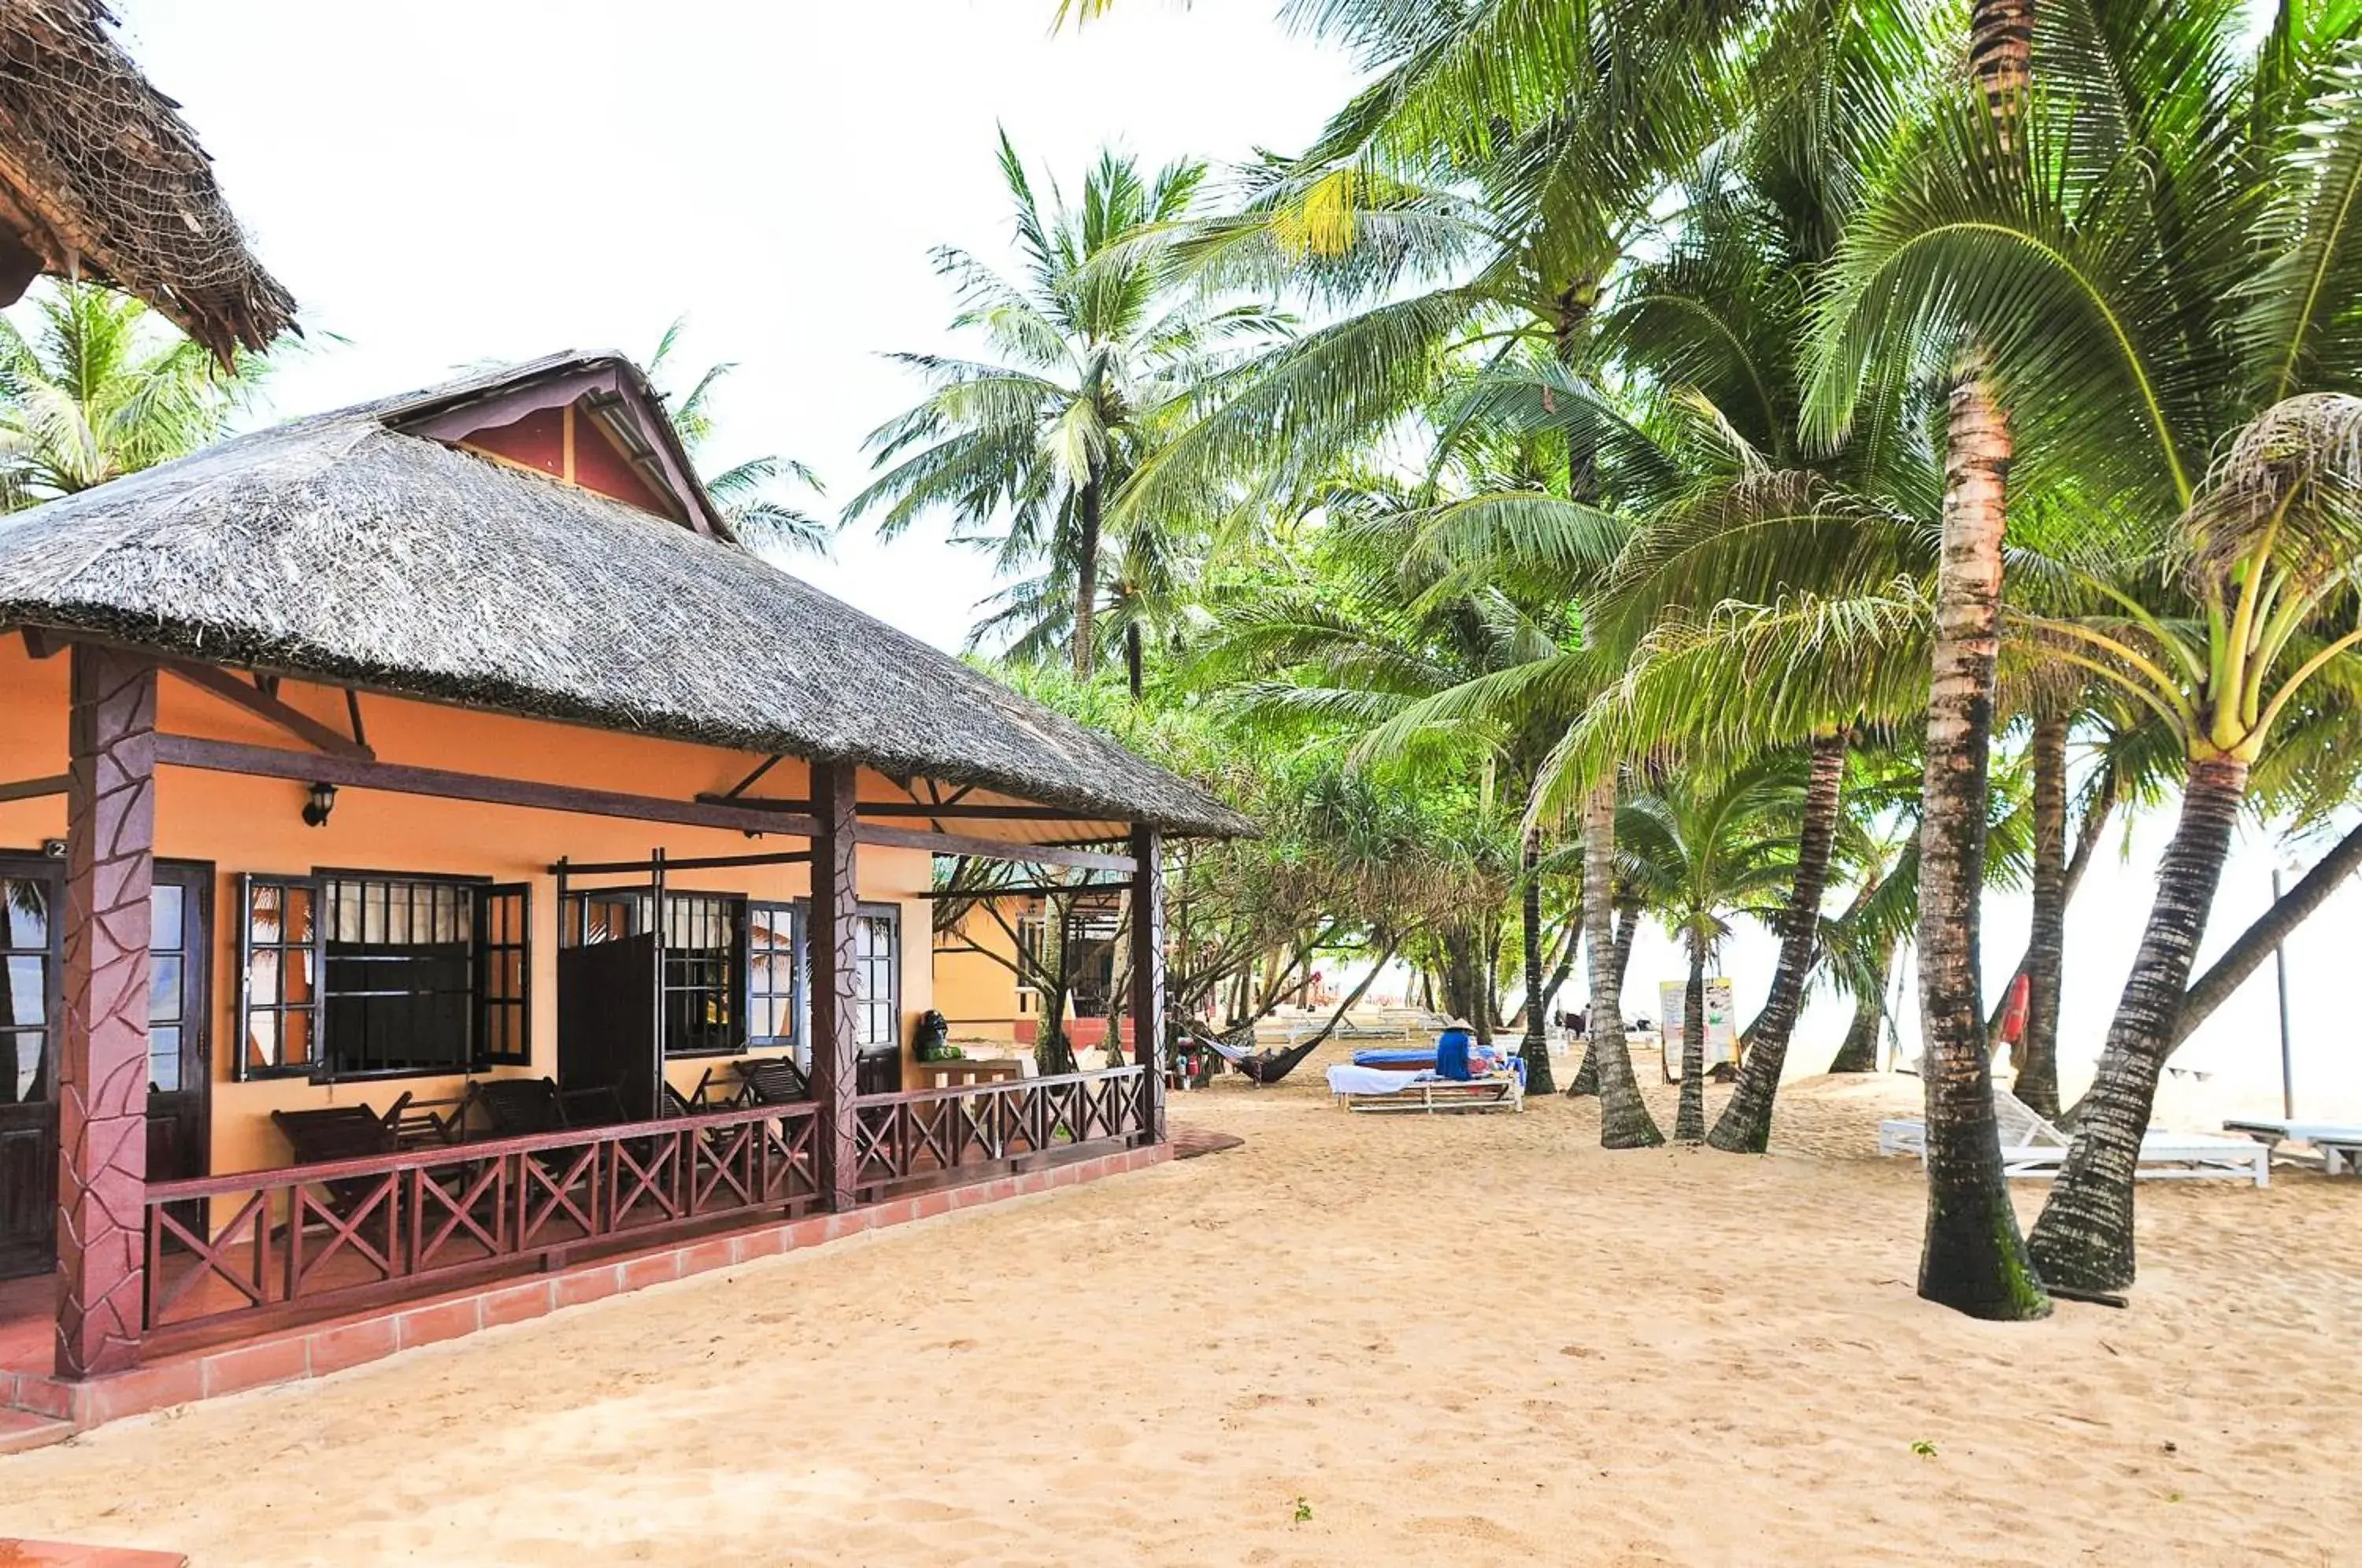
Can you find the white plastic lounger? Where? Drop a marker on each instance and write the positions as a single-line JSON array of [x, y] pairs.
[[1431, 1094], [2033, 1148], [2340, 1143]]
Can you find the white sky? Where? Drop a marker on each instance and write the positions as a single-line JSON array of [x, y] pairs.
[[441, 183]]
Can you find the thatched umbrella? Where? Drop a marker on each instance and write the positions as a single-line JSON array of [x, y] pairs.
[[100, 177]]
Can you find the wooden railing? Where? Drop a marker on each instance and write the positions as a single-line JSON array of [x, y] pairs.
[[907, 1138], [265, 1242]]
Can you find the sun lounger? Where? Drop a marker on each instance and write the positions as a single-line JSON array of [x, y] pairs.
[[1428, 1094], [2033, 1148], [2340, 1143]]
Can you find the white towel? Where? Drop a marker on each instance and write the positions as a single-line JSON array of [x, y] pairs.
[[1344, 1078]]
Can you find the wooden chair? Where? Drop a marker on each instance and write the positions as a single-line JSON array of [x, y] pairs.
[[772, 1080], [342, 1133], [433, 1123], [523, 1108]]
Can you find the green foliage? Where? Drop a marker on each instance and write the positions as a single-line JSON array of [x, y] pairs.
[[96, 385]]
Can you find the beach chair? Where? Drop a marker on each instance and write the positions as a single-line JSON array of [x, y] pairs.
[[2340, 1143], [2035, 1149], [1377, 1091]]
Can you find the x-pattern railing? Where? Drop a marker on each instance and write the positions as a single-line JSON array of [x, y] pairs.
[[310, 1234], [904, 1137]]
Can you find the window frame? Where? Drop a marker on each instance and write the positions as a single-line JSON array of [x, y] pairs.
[[321, 1068], [798, 913], [877, 910]]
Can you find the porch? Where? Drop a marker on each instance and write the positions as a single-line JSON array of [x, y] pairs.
[[306, 1270]]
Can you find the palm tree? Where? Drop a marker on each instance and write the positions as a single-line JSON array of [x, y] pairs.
[[744, 490], [100, 387], [1103, 349], [2156, 260], [1973, 1257], [1701, 850]]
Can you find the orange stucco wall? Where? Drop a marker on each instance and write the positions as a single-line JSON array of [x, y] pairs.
[[243, 824], [977, 991]]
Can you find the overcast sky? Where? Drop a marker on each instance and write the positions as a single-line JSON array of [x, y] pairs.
[[441, 183]]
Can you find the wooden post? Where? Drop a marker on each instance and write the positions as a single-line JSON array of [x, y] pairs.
[[102, 1067], [1148, 972], [836, 1013]]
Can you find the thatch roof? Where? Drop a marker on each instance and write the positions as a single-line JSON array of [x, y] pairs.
[[341, 548], [100, 177]]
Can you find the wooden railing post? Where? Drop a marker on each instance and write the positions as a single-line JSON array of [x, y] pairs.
[[1148, 972], [836, 1013], [101, 1064]]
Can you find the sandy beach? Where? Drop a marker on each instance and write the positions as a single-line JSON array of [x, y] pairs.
[[1357, 1339]]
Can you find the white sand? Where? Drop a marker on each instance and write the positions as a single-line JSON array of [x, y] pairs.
[[1462, 1342]]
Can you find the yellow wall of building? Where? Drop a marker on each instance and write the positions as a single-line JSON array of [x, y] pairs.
[[976, 992], [244, 824]]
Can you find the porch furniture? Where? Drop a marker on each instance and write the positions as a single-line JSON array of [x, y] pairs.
[[523, 1108], [962, 1070], [772, 1080], [430, 1123], [340, 1132], [2340, 1143], [344, 1132], [2034, 1148], [1375, 1090], [677, 1103]]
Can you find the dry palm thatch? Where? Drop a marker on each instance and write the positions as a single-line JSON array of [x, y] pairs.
[[342, 548], [100, 177]]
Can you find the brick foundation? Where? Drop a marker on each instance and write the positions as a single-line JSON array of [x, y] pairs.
[[315, 1350]]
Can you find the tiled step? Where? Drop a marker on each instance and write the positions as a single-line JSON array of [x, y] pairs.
[[21, 1429], [65, 1554]]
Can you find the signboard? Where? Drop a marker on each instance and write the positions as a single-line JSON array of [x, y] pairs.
[[1721, 1024]]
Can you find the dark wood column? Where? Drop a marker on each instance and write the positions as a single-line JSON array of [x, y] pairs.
[[1148, 969], [102, 1067], [835, 906]]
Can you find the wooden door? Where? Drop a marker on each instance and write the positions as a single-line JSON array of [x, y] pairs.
[[180, 1063], [31, 900], [607, 1022]]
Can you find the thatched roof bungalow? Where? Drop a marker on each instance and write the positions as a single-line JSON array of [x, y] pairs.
[[332, 755], [100, 177], [375, 545]]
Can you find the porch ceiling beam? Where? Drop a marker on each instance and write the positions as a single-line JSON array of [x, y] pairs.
[[993, 848], [263, 705], [34, 788], [300, 768], [679, 863], [1028, 891], [948, 810]]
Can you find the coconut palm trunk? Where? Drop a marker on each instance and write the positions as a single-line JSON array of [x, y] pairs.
[[1624, 1119], [2084, 1238], [1972, 1257], [1745, 1127], [1689, 1120], [1086, 581], [1859, 1052], [2046, 947], [1536, 1049]]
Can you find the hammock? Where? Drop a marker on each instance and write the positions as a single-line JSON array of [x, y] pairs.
[[1262, 1068]]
